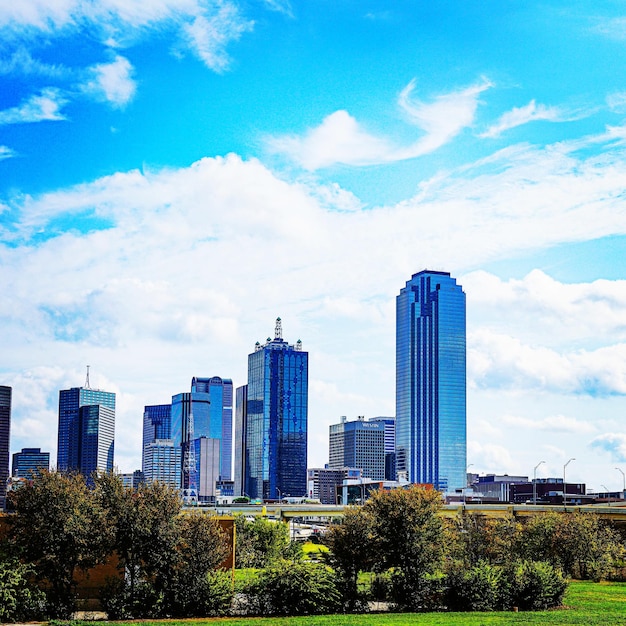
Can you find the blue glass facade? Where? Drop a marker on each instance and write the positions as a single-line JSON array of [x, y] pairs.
[[29, 462], [86, 430], [276, 420], [431, 441]]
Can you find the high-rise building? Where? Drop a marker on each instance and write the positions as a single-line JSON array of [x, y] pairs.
[[160, 458], [358, 444], [220, 424], [29, 462], [276, 420], [86, 430], [241, 413], [431, 444], [5, 432], [390, 445]]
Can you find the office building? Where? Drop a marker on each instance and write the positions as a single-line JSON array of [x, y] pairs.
[[431, 381], [390, 445], [274, 459], [358, 444], [5, 432], [241, 412], [220, 424], [324, 483], [162, 462], [86, 430], [29, 462]]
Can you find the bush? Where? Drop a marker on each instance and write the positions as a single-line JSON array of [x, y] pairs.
[[481, 588], [297, 588], [121, 601], [535, 585], [210, 595], [19, 601]]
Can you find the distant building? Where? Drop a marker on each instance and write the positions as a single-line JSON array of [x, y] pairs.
[[274, 460], [132, 480], [86, 436], [358, 444], [241, 414], [390, 445], [5, 432], [160, 456], [29, 462], [497, 487], [431, 440], [324, 482]]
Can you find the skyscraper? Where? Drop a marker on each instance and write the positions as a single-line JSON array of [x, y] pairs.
[[5, 431], [358, 444], [157, 427], [275, 437], [431, 444], [241, 417], [86, 430], [220, 424]]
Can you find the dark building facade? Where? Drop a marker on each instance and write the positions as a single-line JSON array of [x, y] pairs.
[[5, 436], [29, 462], [276, 420], [86, 437]]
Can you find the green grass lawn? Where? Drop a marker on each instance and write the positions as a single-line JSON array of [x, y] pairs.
[[587, 603]]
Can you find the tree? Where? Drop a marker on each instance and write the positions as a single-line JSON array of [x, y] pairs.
[[260, 542], [350, 545], [59, 528], [20, 600], [408, 538]]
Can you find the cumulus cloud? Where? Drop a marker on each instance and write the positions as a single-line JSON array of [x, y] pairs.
[[46, 106], [613, 443], [112, 81], [341, 139], [519, 116]]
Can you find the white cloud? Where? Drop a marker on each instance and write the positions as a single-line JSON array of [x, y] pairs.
[[112, 81], [341, 139], [207, 27], [519, 116], [613, 443], [43, 107], [22, 62], [551, 423], [617, 101], [6, 153]]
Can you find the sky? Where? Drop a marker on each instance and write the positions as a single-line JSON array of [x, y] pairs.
[[175, 174]]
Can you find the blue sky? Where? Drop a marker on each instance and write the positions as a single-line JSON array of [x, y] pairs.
[[175, 174]]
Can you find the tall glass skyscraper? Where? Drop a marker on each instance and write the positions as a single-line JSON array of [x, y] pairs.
[[276, 420], [86, 430], [431, 441], [5, 431]]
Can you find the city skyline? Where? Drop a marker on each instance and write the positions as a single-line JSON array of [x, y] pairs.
[[173, 176]]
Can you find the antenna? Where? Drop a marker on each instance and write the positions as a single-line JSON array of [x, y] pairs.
[[190, 491], [87, 385], [278, 332]]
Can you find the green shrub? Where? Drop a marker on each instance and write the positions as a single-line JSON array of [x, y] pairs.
[[480, 588], [19, 600], [121, 601], [535, 585], [298, 588]]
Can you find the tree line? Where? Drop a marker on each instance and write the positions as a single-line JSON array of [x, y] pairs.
[[170, 563]]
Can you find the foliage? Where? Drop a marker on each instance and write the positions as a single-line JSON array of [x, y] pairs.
[[408, 537], [535, 585], [261, 542], [299, 588], [142, 601], [479, 588], [581, 544], [19, 600], [350, 551], [59, 528]]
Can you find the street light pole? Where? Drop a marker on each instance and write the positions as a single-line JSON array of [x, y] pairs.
[[608, 493], [564, 483], [535, 482], [621, 471]]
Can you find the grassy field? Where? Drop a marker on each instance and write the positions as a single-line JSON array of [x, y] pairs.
[[591, 604]]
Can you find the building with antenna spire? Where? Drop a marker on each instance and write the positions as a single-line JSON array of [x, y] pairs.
[[272, 421], [86, 435]]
